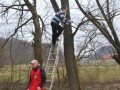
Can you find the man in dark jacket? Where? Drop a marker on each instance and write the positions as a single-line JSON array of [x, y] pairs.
[[37, 77], [56, 28]]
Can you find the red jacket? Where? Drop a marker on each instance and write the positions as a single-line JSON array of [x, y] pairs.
[[36, 79]]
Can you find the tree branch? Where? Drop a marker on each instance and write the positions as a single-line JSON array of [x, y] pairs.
[[108, 20], [78, 26], [55, 6], [11, 7], [16, 31]]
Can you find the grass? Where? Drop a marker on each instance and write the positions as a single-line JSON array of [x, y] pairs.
[[99, 74], [104, 72], [16, 74]]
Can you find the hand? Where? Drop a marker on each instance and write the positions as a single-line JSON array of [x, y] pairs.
[[38, 88], [27, 89], [68, 22]]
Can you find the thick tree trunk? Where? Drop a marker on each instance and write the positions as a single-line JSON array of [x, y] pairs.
[[113, 39], [37, 40], [73, 79], [117, 58], [37, 46], [72, 73], [55, 6]]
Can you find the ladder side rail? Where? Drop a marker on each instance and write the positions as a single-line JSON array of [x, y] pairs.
[[55, 66], [55, 63], [48, 57], [54, 72]]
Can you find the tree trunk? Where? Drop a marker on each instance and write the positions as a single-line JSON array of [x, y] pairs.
[[37, 46], [117, 58], [72, 73], [112, 38], [55, 6], [37, 40], [73, 79]]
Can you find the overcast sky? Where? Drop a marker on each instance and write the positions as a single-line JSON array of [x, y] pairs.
[[46, 11]]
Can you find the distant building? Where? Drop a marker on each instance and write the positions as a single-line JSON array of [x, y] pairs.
[[106, 57]]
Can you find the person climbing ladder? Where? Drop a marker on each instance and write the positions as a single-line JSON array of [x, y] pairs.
[[56, 28]]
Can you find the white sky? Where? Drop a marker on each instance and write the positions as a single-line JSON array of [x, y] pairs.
[[46, 12]]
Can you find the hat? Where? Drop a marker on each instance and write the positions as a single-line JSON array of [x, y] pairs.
[[34, 61]]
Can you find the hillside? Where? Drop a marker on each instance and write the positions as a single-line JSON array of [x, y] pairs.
[[106, 50], [20, 52], [15, 52]]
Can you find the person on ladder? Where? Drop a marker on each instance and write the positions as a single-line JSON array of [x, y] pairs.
[[56, 28]]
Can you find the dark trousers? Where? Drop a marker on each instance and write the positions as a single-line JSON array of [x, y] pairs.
[[56, 31]]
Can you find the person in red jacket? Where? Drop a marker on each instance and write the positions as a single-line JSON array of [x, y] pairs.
[[37, 77]]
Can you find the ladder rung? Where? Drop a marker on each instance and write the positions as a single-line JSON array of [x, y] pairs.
[[52, 63], [48, 80], [51, 59], [53, 53], [48, 73], [50, 66], [46, 88]]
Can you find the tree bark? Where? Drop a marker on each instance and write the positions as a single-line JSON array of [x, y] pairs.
[[113, 39], [55, 5], [72, 73], [71, 68], [37, 46]]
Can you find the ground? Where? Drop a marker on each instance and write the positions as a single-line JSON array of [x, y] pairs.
[[87, 86]]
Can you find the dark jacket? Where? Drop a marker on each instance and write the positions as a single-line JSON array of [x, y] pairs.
[[43, 76]]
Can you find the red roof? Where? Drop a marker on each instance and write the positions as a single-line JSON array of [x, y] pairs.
[[106, 57]]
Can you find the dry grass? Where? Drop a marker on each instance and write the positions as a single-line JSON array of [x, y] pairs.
[[99, 74], [12, 75], [99, 77]]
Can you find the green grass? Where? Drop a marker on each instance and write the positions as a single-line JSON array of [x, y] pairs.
[[106, 71], [99, 74], [17, 74], [102, 72]]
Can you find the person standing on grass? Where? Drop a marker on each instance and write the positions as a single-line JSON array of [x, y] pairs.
[[56, 28], [37, 77]]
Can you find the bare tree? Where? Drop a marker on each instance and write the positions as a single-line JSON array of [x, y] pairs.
[[20, 7], [73, 79], [37, 34], [103, 20]]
